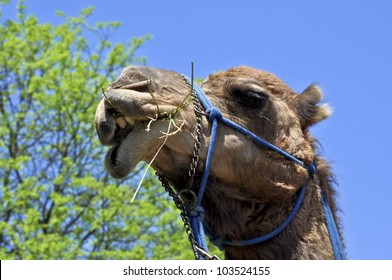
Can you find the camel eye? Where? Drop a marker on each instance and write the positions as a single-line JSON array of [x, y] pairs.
[[250, 98]]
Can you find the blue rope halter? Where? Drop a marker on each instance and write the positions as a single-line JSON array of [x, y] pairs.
[[196, 215]]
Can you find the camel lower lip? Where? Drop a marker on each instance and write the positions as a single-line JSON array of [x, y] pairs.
[[113, 153]]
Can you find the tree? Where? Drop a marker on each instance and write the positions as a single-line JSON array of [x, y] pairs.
[[57, 202]]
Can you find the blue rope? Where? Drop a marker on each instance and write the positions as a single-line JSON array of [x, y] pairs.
[[197, 214], [207, 167], [261, 141], [197, 220], [276, 231], [333, 232]]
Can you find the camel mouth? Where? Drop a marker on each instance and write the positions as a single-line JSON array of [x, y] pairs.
[[121, 133], [133, 144], [131, 119], [126, 136]]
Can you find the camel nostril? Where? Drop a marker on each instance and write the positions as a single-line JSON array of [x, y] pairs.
[[136, 78], [142, 86]]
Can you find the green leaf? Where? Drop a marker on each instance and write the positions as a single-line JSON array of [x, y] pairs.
[[57, 200]]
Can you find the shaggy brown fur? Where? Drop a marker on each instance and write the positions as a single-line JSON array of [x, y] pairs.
[[251, 190]]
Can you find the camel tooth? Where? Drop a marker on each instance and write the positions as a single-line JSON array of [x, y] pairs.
[[121, 122], [129, 120]]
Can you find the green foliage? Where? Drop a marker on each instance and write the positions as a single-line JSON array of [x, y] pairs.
[[57, 202]]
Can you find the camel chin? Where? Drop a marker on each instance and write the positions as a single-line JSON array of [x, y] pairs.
[[140, 144]]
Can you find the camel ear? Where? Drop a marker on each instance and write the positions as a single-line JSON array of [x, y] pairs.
[[308, 110]]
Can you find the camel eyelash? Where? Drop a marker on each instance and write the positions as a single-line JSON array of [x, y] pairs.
[[250, 98]]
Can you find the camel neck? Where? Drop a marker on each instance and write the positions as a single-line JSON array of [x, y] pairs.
[[306, 237]]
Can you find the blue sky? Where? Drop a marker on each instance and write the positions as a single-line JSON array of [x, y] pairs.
[[345, 46]]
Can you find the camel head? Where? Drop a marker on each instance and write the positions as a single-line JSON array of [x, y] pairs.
[[148, 115], [133, 119]]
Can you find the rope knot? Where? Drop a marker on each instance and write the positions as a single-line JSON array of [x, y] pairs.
[[312, 168], [197, 212], [214, 113]]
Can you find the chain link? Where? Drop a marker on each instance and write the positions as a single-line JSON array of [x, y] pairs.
[[197, 146], [197, 250], [184, 208], [183, 213]]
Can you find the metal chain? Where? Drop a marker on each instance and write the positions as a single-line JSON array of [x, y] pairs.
[[199, 112], [197, 146], [185, 207], [197, 250], [183, 211]]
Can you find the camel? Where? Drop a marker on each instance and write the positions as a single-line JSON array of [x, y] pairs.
[[250, 189]]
